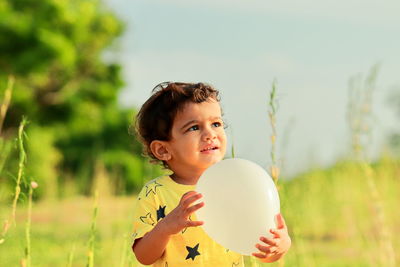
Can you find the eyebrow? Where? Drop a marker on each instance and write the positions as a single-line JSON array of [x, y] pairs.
[[196, 121]]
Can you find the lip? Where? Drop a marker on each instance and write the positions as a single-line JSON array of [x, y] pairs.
[[209, 149]]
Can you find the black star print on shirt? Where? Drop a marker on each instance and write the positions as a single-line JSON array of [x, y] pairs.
[[160, 213], [152, 188], [193, 252], [147, 219]]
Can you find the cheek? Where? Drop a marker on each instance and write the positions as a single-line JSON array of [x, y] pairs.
[[189, 142], [223, 146], [222, 139], [223, 136]]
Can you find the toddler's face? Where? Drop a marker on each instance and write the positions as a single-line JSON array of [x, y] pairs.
[[198, 136]]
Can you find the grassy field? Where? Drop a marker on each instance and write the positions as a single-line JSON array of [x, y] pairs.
[[62, 228], [346, 215]]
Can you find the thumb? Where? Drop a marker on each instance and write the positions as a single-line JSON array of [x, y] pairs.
[[280, 222]]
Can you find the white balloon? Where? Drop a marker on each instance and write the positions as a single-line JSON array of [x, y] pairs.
[[241, 202]]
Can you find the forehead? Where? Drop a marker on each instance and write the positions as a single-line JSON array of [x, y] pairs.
[[198, 111]]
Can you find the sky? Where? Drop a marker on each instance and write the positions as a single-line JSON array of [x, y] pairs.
[[310, 48]]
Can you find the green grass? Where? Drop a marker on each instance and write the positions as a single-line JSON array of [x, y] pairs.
[[330, 215], [58, 227]]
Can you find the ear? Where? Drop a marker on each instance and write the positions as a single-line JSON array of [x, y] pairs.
[[160, 150]]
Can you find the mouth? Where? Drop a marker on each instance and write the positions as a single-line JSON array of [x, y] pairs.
[[209, 148]]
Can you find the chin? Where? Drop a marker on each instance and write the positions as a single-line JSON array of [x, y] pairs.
[[214, 160], [209, 161]]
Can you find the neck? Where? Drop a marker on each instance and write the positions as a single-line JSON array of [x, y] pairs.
[[186, 178]]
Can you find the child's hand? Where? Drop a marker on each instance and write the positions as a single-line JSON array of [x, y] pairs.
[[178, 218], [274, 248]]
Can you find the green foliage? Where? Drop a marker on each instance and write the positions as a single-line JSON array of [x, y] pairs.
[[43, 159], [54, 49]]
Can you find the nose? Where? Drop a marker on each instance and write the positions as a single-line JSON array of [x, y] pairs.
[[209, 134]]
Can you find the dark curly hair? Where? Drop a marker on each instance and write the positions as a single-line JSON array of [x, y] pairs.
[[156, 116]]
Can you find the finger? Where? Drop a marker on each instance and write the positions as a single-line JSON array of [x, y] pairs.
[[260, 255], [192, 198], [265, 249], [276, 233], [194, 223], [268, 241], [187, 195], [194, 208], [273, 250], [280, 221]]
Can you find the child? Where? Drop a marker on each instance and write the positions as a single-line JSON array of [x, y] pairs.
[[181, 127]]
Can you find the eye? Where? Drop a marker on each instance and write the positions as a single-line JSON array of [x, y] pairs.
[[217, 124], [193, 128]]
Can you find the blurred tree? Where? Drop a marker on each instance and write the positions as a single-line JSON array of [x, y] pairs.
[[54, 49]]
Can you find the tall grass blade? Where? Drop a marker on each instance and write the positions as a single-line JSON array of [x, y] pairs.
[[32, 186], [71, 256], [272, 118], [21, 167], [359, 117], [92, 239], [6, 100]]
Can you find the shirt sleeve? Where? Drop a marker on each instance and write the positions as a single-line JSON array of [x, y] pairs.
[[145, 215]]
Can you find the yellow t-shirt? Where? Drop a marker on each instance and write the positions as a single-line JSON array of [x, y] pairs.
[[192, 246]]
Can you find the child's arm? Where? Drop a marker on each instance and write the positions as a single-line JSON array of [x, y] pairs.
[[277, 246], [152, 245]]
